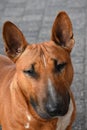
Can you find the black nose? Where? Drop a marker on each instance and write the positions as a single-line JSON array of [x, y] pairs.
[[59, 107]]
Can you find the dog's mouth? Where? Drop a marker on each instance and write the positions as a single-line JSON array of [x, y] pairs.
[[51, 109]]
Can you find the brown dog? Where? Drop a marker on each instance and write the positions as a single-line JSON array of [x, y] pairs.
[[35, 80]]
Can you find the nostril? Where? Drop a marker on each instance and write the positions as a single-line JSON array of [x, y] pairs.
[[51, 109]]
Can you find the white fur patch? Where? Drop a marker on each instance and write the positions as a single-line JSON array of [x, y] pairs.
[[28, 117], [64, 121], [44, 60], [26, 126], [51, 89]]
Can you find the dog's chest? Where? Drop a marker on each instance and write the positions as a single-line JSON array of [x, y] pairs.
[[63, 122]]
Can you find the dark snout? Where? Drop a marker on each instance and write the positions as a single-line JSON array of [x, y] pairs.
[[59, 106], [56, 103]]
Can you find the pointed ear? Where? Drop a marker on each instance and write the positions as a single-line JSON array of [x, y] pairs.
[[14, 40], [62, 32]]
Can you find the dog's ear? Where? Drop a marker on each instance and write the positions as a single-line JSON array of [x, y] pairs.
[[14, 40], [62, 32]]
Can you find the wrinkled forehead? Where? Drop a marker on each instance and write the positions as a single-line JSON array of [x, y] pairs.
[[53, 51], [44, 52]]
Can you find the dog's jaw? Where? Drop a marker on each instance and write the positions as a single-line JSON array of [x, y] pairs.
[[64, 121]]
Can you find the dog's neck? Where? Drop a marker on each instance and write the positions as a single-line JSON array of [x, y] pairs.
[[18, 103]]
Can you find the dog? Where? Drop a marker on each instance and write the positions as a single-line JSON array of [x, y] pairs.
[[35, 79]]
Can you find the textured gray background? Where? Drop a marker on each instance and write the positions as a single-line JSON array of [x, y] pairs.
[[35, 18]]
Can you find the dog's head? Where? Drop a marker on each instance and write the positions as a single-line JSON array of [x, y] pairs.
[[44, 71]]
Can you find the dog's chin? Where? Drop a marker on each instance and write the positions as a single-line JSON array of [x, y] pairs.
[[44, 115]]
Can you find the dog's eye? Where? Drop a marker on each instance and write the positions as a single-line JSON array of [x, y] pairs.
[[59, 67], [31, 72]]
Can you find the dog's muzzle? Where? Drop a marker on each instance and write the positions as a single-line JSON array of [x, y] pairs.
[[55, 105]]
